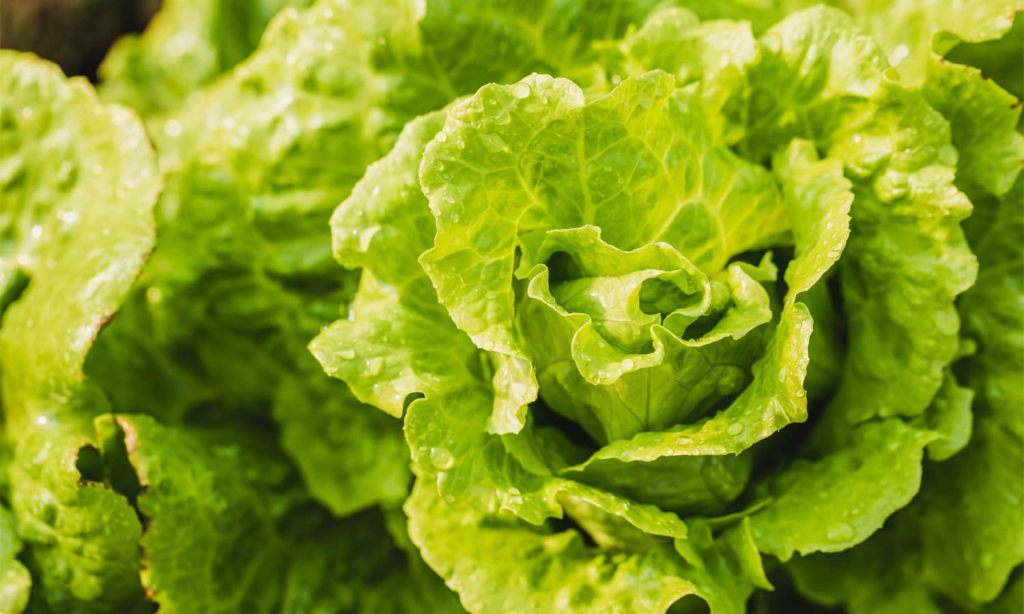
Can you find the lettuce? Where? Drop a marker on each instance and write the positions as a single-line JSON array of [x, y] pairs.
[[580, 306], [605, 272]]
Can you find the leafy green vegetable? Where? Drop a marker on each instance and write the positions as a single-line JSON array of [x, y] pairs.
[[642, 306], [83, 177], [596, 254], [15, 581], [186, 46]]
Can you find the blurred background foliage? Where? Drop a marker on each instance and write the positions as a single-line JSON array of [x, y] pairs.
[[73, 33]]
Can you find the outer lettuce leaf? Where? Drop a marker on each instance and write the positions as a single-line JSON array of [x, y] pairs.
[[993, 312], [972, 518], [15, 581], [988, 538], [223, 493], [538, 569], [397, 341], [983, 119], [853, 578], [350, 455], [985, 525], [49, 176], [911, 31], [951, 417], [256, 544], [906, 255], [962, 537], [186, 45], [997, 59], [94, 229], [838, 501]]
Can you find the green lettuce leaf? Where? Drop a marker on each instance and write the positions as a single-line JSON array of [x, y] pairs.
[[836, 502], [905, 218], [908, 32], [951, 417], [988, 538], [540, 568], [397, 341], [962, 537], [350, 456], [911, 31], [992, 313], [853, 577], [972, 518], [256, 543], [15, 581], [997, 58], [186, 45], [983, 119], [85, 177]]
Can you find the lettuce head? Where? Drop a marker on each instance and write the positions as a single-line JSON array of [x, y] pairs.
[[551, 306]]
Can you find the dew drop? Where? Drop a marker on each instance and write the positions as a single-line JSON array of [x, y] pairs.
[[366, 237], [840, 532], [735, 428], [900, 53], [172, 127], [441, 458], [374, 366], [520, 90]]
